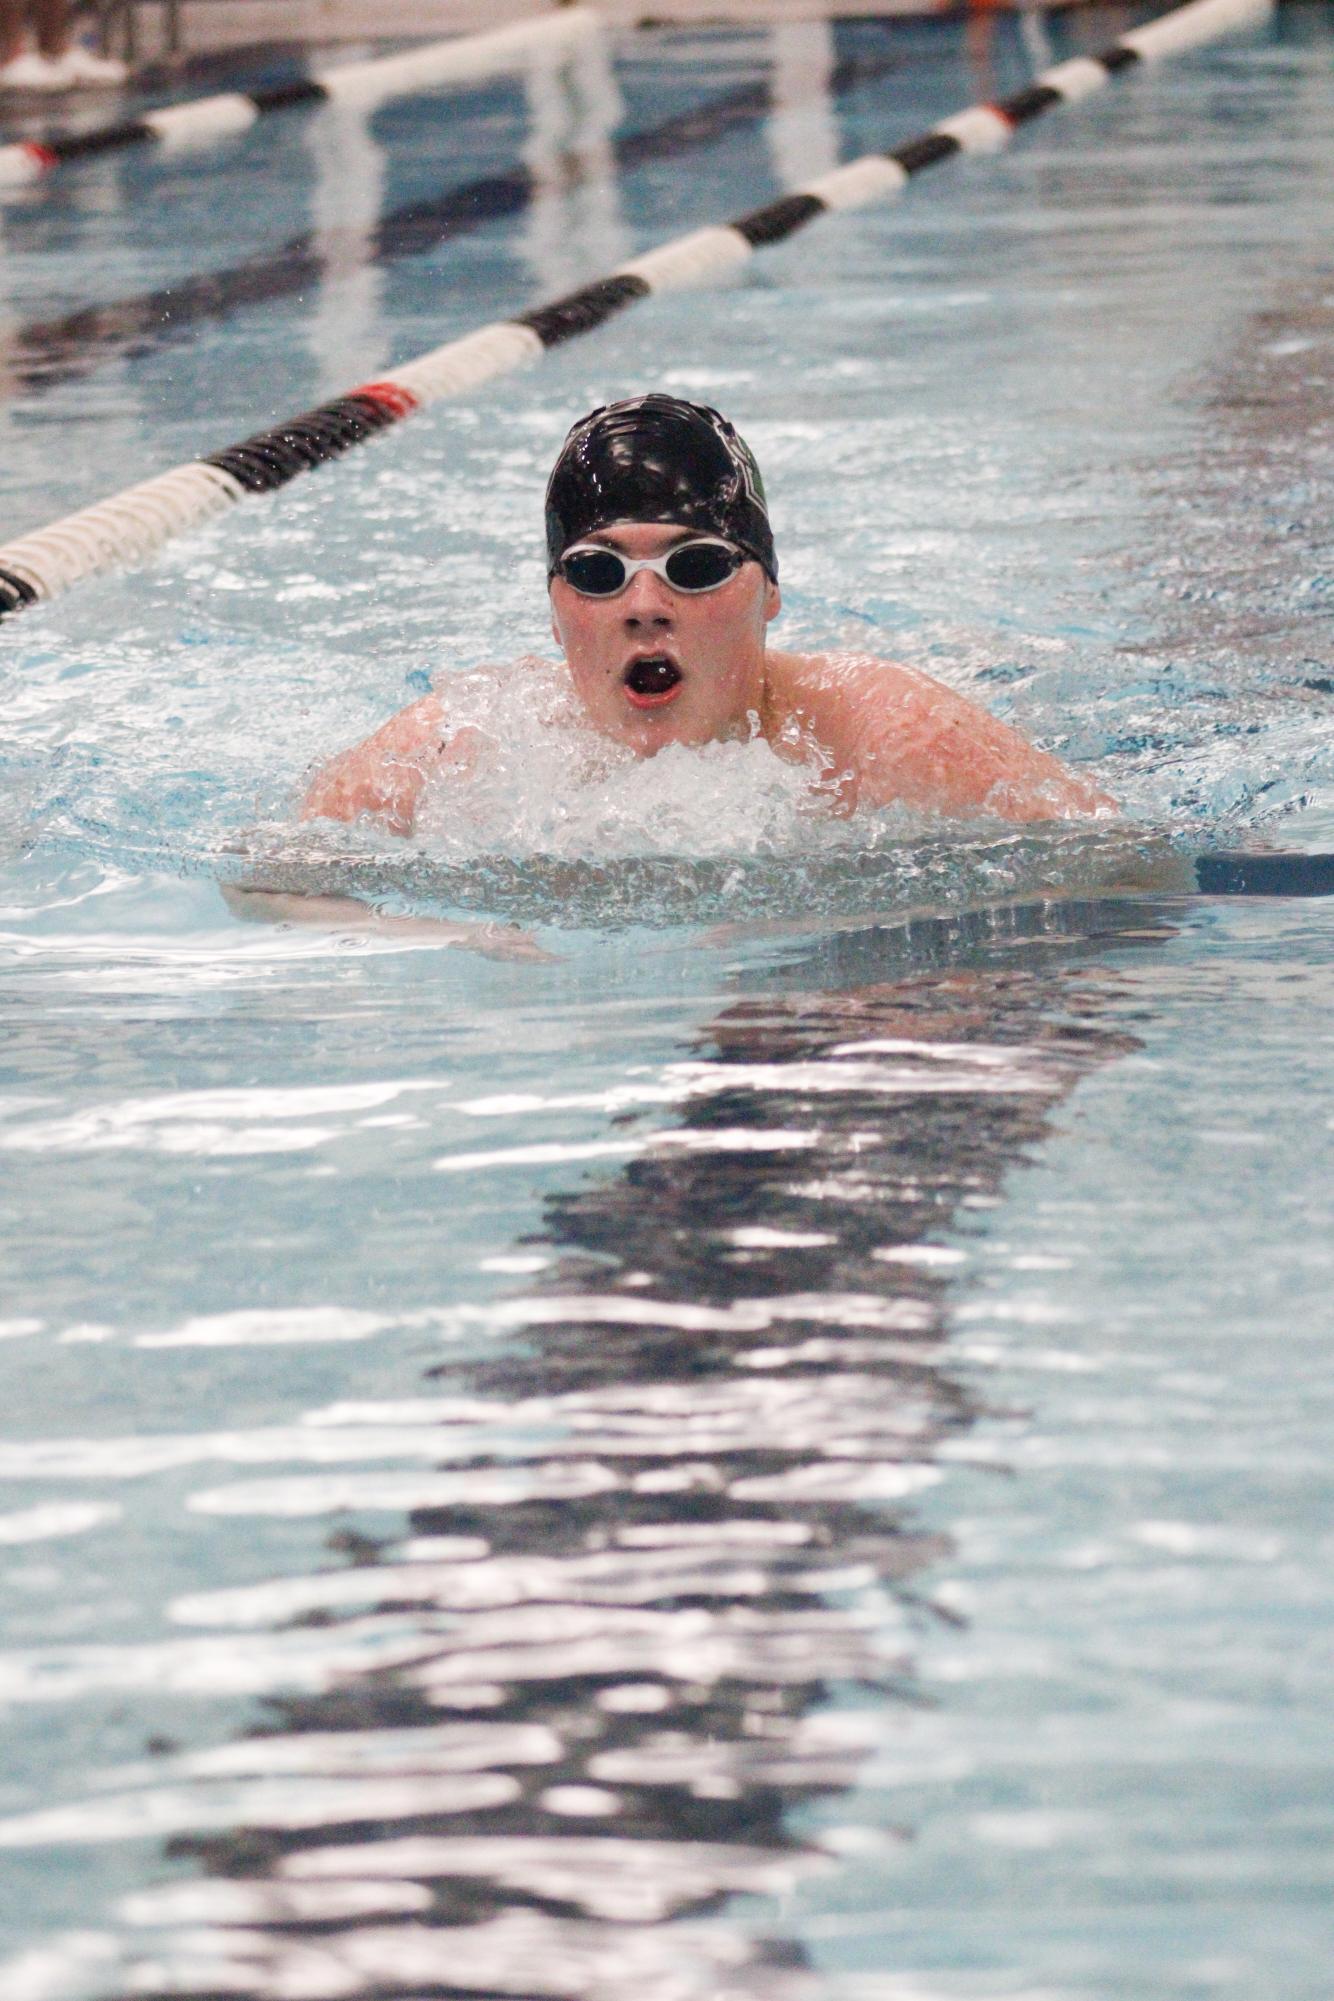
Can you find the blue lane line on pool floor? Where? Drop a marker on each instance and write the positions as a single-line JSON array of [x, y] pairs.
[[1288, 873]]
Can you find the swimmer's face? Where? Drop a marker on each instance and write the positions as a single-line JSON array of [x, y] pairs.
[[656, 666]]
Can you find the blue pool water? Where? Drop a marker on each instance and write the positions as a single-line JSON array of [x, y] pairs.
[[758, 1423]]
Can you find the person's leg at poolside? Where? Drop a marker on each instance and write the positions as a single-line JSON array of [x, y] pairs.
[[51, 19], [12, 16]]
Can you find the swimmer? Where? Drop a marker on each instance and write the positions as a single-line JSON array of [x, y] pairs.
[[663, 582]]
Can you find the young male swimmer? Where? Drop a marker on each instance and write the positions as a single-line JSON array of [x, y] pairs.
[[663, 580]]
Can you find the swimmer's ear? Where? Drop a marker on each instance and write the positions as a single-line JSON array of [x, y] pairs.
[[773, 600], [555, 629]]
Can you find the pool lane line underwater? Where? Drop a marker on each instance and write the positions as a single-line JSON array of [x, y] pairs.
[[1276, 874], [464, 59], [142, 518], [48, 353]]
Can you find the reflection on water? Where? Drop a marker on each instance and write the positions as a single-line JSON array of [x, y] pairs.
[[670, 1533], [784, 867]]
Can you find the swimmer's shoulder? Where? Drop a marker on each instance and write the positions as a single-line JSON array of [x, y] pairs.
[[895, 734], [824, 692], [383, 776]]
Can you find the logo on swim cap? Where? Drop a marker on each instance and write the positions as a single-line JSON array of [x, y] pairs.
[[658, 458]]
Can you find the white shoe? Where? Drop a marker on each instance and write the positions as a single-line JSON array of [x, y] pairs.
[[31, 71], [89, 71], [77, 69]]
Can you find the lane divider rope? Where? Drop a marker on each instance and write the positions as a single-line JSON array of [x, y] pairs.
[[466, 59], [132, 524]]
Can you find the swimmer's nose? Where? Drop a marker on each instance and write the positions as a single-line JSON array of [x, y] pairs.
[[647, 601]]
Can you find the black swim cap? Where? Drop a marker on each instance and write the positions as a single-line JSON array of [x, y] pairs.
[[658, 458]]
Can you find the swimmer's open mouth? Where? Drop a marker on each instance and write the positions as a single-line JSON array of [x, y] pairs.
[[652, 681]]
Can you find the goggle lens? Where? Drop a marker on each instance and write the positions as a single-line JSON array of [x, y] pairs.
[[701, 566], [595, 573]]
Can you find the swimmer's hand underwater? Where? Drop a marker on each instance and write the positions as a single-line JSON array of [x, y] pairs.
[[350, 918], [663, 581]]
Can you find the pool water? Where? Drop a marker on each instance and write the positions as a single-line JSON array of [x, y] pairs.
[[731, 1405]]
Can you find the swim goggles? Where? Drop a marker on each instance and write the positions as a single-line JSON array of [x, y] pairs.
[[598, 572]]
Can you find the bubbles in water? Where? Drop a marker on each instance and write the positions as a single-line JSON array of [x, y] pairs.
[[546, 784]]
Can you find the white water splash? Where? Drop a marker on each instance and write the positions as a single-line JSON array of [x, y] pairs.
[[547, 784]]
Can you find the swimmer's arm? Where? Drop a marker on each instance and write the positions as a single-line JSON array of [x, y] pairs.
[[895, 735], [348, 916], [384, 775]]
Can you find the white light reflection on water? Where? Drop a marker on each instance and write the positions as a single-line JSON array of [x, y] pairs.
[[639, 1882], [727, 1543]]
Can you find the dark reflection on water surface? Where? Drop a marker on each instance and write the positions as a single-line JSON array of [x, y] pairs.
[[686, 1518]]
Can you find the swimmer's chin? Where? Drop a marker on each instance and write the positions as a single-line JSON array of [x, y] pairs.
[[671, 727]]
